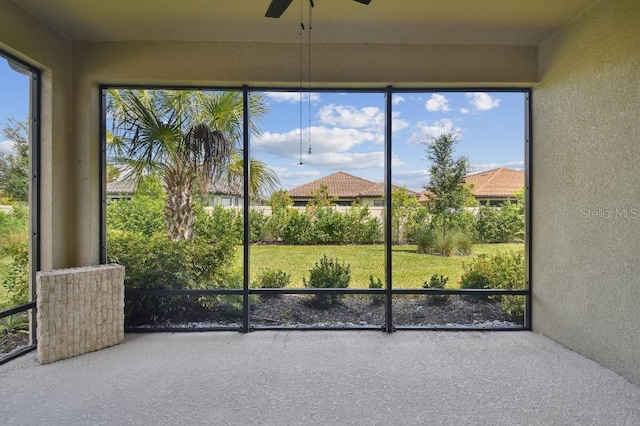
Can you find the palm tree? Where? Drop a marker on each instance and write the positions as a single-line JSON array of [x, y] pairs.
[[190, 138]]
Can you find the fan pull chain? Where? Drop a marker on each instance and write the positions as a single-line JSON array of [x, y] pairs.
[[300, 91], [309, 87]]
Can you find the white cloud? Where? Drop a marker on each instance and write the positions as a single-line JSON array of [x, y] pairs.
[[292, 97], [482, 101], [437, 102], [323, 140], [464, 110], [397, 123], [411, 179], [428, 131], [397, 99], [6, 147], [515, 165], [348, 116]]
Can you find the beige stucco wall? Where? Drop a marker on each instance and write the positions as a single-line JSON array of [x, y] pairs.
[[27, 38], [586, 165]]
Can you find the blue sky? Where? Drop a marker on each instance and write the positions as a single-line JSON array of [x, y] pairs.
[[347, 133], [14, 99], [346, 130]]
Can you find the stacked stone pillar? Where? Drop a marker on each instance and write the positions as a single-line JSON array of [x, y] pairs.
[[79, 310]]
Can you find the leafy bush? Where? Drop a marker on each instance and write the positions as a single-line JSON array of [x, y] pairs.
[[425, 238], [461, 243], [361, 227], [299, 229], [11, 324], [328, 273], [443, 245], [273, 279], [16, 282], [499, 224], [276, 224], [376, 284], [157, 262], [219, 224], [504, 270], [142, 214], [17, 221], [436, 281], [258, 223], [330, 225]]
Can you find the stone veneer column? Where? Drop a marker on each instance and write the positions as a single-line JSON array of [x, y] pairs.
[[79, 310]]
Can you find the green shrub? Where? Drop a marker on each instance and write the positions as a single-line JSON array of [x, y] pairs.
[[499, 224], [299, 229], [258, 224], [461, 243], [276, 223], [14, 222], [443, 245], [16, 282], [273, 279], [361, 227], [504, 270], [142, 214], [328, 273], [156, 262], [13, 324], [376, 284], [330, 225], [219, 223], [425, 238], [436, 281]]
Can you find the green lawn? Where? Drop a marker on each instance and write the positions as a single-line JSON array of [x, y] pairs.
[[410, 269]]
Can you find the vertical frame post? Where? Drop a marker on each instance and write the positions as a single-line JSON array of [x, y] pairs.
[[527, 209], [103, 175], [246, 206], [387, 212], [34, 201]]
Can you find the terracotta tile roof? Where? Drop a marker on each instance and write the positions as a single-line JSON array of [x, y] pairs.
[[496, 183], [341, 184], [499, 183]]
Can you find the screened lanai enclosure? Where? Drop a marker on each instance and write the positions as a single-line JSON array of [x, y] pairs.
[[19, 183], [305, 237]]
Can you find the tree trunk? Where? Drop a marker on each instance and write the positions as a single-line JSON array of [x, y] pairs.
[[178, 211]]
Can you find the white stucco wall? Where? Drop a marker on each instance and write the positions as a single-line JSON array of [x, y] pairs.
[[586, 165]]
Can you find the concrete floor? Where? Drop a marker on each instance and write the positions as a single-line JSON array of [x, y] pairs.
[[320, 378]]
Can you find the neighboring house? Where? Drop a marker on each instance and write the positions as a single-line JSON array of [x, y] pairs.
[[344, 189], [120, 190], [219, 193], [493, 186]]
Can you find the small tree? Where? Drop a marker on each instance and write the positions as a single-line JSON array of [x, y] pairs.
[[447, 178], [403, 210], [14, 167], [280, 200]]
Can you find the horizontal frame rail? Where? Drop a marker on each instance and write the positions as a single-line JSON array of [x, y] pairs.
[[17, 309], [380, 292]]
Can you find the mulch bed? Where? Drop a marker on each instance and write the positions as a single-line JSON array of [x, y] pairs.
[[12, 341], [356, 311]]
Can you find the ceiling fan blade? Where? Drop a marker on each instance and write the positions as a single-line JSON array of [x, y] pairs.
[[277, 8], [363, 1]]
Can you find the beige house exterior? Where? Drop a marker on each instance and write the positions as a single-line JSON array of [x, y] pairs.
[[579, 58]]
